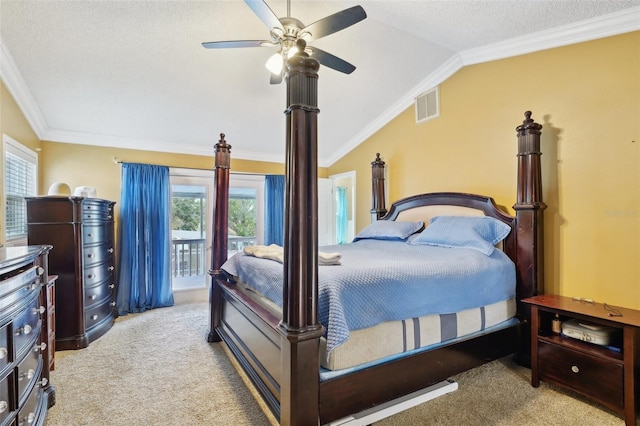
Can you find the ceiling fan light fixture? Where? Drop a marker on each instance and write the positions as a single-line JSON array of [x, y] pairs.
[[274, 63], [291, 52]]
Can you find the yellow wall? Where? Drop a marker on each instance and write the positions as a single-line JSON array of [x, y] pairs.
[[83, 165], [13, 124], [587, 96]]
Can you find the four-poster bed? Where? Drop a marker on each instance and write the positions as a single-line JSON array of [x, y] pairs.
[[281, 351]]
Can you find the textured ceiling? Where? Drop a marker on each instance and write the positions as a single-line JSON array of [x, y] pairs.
[[134, 74]]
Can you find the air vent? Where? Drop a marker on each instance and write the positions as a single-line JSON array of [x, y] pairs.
[[427, 105]]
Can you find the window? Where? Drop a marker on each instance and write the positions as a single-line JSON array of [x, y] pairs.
[[246, 211], [20, 177]]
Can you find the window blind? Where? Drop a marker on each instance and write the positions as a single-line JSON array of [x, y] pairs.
[[20, 172]]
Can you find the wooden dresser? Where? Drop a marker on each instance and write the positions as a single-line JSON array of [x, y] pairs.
[[25, 390], [81, 231]]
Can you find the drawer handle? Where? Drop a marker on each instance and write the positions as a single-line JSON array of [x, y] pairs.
[[113, 303], [28, 420], [94, 317], [3, 352], [110, 250], [93, 297], [575, 369], [90, 276], [112, 285], [29, 374], [90, 255], [40, 310], [41, 347], [24, 330], [40, 270], [43, 382], [111, 268], [3, 406], [89, 234]]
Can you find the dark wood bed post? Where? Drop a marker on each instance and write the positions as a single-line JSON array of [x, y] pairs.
[[378, 208], [300, 329], [529, 209], [220, 230], [529, 206]]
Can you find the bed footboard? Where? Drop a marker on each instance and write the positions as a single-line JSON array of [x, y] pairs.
[[251, 334]]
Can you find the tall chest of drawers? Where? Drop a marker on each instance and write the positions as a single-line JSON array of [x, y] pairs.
[[25, 390], [81, 231]]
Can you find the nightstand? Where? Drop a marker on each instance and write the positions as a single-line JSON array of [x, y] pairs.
[[609, 375]]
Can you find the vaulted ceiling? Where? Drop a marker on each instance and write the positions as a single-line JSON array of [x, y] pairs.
[[134, 74]]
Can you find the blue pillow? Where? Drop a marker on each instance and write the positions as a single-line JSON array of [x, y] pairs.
[[480, 233], [389, 230]]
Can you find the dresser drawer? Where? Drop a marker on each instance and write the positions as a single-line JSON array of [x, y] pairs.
[[95, 210], [5, 397], [597, 378], [97, 294], [6, 357], [28, 372], [18, 286], [97, 233], [96, 254], [26, 326], [30, 411], [97, 314], [97, 274]]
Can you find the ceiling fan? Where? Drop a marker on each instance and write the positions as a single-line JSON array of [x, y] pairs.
[[285, 32]]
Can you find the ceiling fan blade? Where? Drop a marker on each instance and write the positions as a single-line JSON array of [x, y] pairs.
[[236, 43], [331, 61], [264, 12], [334, 23]]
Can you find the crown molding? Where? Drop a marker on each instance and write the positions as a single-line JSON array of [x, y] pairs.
[[621, 22], [110, 141]]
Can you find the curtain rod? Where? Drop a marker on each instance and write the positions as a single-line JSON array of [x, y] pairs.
[[116, 161]]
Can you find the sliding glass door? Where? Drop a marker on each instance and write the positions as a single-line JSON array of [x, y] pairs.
[[190, 231], [246, 211]]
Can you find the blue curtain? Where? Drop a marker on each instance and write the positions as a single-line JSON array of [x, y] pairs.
[[342, 215], [144, 239], [274, 210]]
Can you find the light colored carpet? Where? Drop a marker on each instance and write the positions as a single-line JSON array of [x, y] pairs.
[[156, 368]]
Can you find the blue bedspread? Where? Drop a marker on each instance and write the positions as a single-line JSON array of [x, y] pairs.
[[382, 281]]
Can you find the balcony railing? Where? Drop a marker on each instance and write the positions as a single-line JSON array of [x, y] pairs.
[[188, 255]]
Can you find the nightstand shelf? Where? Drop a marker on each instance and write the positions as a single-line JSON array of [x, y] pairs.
[[609, 375]]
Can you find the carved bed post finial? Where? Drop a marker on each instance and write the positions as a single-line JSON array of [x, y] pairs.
[[378, 208], [529, 209], [220, 228], [223, 151]]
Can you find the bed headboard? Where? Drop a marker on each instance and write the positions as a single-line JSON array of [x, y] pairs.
[[524, 244], [424, 207]]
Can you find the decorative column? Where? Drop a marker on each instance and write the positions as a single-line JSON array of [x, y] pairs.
[[220, 230], [378, 208], [300, 329]]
